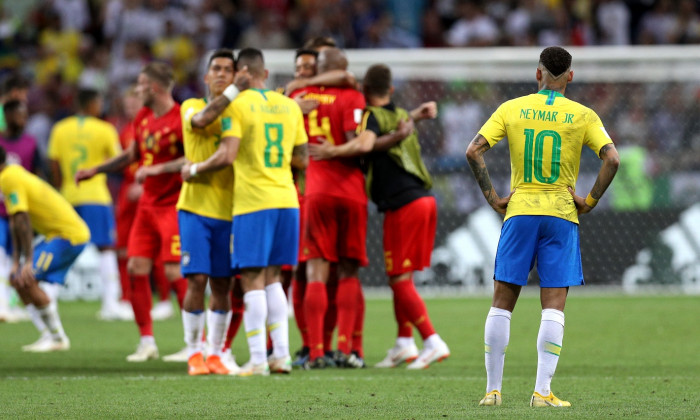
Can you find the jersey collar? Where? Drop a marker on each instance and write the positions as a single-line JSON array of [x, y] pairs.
[[551, 95]]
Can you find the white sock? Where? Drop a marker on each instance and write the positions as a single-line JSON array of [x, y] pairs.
[[496, 337], [217, 323], [109, 271], [278, 319], [193, 325], [51, 289], [148, 339], [254, 321], [36, 319], [402, 342], [549, 342], [432, 341], [5, 268], [49, 315]]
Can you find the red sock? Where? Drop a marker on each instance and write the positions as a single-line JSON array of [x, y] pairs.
[[161, 282], [124, 279], [330, 319], [405, 326], [346, 297], [141, 301], [315, 305], [412, 305], [179, 286], [359, 324], [298, 289], [237, 309]]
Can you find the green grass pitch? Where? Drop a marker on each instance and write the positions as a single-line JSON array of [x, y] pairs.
[[636, 357]]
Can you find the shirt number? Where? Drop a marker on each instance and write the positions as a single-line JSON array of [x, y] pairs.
[[534, 156], [323, 130], [273, 148]]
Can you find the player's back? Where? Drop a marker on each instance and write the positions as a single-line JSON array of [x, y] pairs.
[[80, 142], [546, 133], [50, 213], [269, 125], [339, 111]]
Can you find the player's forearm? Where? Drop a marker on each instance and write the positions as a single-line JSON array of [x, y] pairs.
[[117, 163], [387, 141], [300, 157], [333, 78], [169, 167], [23, 235], [56, 177], [219, 160], [211, 112], [475, 157], [611, 161]]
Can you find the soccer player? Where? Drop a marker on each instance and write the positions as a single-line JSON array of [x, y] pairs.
[[399, 183], [14, 87], [154, 234], [335, 219], [268, 139], [546, 132], [204, 217], [34, 205], [82, 141]]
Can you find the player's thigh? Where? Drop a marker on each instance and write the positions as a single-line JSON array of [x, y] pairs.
[[253, 235], [517, 248], [286, 238], [5, 237], [321, 223], [205, 244], [409, 235], [168, 235], [100, 221], [559, 254], [144, 238], [53, 258], [352, 231]]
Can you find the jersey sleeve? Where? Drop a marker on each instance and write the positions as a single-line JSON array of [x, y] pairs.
[[53, 151], [369, 122], [596, 137], [494, 129], [301, 137], [237, 120], [15, 193], [352, 114], [187, 111], [227, 118], [113, 144]]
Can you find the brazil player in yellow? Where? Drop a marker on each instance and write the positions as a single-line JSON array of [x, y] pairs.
[[269, 138], [33, 205], [546, 132], [83, 141]]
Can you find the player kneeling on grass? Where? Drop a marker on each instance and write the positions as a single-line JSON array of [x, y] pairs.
[[546, 133], [32, 204]]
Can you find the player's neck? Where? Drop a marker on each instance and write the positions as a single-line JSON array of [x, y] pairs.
[[162, 107], [552, 86], [257, 84], [379, 100]]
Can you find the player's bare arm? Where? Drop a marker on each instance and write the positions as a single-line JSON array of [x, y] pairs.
[[56, 177], [475, 157], [306, 105], [300, 157], [22, 235], [224, 156], [387, 141], [611, 161], [357, 146], [115, 164], [338, 78], [160, 168], [426, 110]]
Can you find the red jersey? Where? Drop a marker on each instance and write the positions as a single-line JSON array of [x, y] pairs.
[[126, 137], [159, 139], [339, 110]]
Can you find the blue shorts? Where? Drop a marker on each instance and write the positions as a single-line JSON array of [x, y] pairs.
[[265, 238], [205, 245], [53, 258], [552, 241], [100, 221], [5, 237]]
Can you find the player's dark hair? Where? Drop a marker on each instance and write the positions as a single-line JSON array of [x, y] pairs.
[[556, 60], [159, 72], [13, 81], [12, 106], [319, 41], [86, 96], [253, 58], [3, 155], [377, 81], [221, 53], [304, 51]]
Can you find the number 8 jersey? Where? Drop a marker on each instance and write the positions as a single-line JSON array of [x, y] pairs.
[[546, 133]]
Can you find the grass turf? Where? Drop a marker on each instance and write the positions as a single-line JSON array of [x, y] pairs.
[[622, 357]]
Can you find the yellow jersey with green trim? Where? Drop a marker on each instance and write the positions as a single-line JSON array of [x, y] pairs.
[[269, 125], [208, 194], [546, 133], [50, 213], [80, 142]]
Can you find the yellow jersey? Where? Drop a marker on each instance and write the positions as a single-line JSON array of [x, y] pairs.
[[50, 213], [546, 133], [269, 125], [208, 194], [80, 142]]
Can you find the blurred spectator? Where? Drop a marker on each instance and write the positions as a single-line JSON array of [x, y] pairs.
[[384, 34], [177, 49], [659, 25], [74, 14], [474, 28], [266, 33], [613, 23]]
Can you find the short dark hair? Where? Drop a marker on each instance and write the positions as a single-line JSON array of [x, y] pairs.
[[319, 41], [86, 96], [13, 81], [12, 106], [556, 60], [377, 81], [253, 58], [221, 53], [305, 51], [159, 72]]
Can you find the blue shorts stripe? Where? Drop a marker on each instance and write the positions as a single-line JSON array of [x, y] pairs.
[[5, 237], [205, 245], [100, 221], [551, 242], [265, 238], [53, 258]]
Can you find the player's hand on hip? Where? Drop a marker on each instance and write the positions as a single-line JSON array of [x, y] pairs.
[[580, 202], [84, 174], [500, 204]]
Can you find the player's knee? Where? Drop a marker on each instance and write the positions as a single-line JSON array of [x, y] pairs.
[[172, 271], [138, 266]]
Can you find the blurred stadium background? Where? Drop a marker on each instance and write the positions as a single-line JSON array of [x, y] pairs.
[[635, 63]]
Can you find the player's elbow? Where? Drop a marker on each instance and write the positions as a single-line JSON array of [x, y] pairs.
[[473, 152]]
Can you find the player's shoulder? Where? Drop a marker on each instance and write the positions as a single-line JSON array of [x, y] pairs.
[[143, 113], [13, 172], [192, 103]]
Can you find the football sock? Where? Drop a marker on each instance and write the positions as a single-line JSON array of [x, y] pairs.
[[404, 325], [216, 329], [5, 268], [49, 314], [432, 341], [298, 289], [496, 336], [161, 282], [193, 324], [346, 301], [124, 278], [254, 322], [179, 286], [549, 342], [356, 346], [405, 342], [237, 308], [109, 271], [141, 302], [330, 318], [277, 319], [36, 319], [315, 305], [413, 307]]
